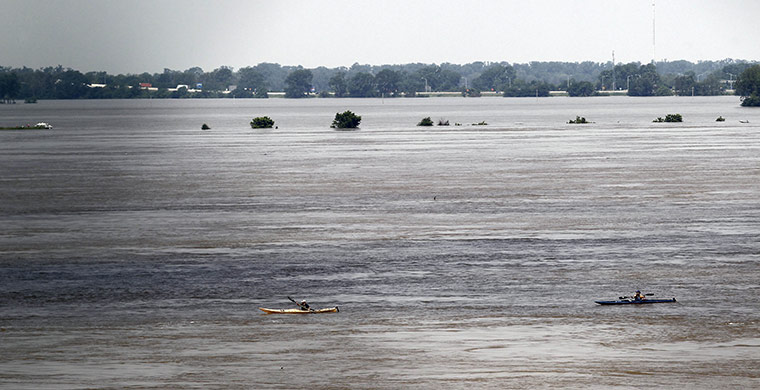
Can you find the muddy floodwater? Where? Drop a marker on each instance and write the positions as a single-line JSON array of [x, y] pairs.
[[136, 249]]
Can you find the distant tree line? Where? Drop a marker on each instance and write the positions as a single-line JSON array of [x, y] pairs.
[[748, 86], [531, 79]]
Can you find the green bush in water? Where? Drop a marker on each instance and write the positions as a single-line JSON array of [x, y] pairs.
[[425, 122], [578, 120], [346, 120], [670, 118], [262, 122]]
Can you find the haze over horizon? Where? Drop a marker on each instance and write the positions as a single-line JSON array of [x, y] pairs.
[[144, 36]]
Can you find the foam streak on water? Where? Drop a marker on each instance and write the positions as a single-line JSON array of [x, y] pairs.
[[136, 248]]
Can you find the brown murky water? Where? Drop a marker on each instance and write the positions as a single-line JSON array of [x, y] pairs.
[[136, 248]]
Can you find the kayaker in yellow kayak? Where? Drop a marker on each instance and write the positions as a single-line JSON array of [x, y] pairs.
[[302, 305]]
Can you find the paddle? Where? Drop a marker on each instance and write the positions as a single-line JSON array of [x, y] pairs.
[[646, 295], [298, 304]]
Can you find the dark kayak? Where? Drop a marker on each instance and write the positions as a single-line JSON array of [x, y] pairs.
[[635, 302], [299, 311]]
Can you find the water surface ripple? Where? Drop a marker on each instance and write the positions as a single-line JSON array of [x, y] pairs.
[[136, 248]]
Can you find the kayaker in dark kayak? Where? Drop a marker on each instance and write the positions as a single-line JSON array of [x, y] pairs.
[[637, 299]]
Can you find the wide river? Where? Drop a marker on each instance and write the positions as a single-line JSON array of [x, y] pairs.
[[136, 249]]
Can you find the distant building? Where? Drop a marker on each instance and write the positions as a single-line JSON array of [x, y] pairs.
[[145, 85]]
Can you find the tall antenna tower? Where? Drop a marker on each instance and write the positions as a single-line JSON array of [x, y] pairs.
[[654, 47]]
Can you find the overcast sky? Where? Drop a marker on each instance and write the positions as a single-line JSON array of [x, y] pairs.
[[135, 36]]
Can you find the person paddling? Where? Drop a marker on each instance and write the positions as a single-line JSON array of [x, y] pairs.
[[639, 296], [302, 305]]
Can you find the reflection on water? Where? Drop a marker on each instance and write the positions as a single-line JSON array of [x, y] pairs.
[[136, 248]]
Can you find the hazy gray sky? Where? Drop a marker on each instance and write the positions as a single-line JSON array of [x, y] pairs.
[[134, 36]]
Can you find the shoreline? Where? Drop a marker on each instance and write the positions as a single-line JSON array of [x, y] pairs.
[[421, 95]]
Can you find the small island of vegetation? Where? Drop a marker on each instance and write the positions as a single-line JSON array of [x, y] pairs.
[[262, 122], [669, 118], [346, 120], [578, 120], [425, 122]]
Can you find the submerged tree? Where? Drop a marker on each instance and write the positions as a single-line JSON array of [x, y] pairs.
[[425, 122], [578, 120], [346, 120], [670, 118], [262, 122]]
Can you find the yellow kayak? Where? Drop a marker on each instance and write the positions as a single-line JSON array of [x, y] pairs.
[[299, 311]]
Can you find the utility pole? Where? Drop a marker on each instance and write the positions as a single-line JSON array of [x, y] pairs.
[[613, 70], [654, 47]]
